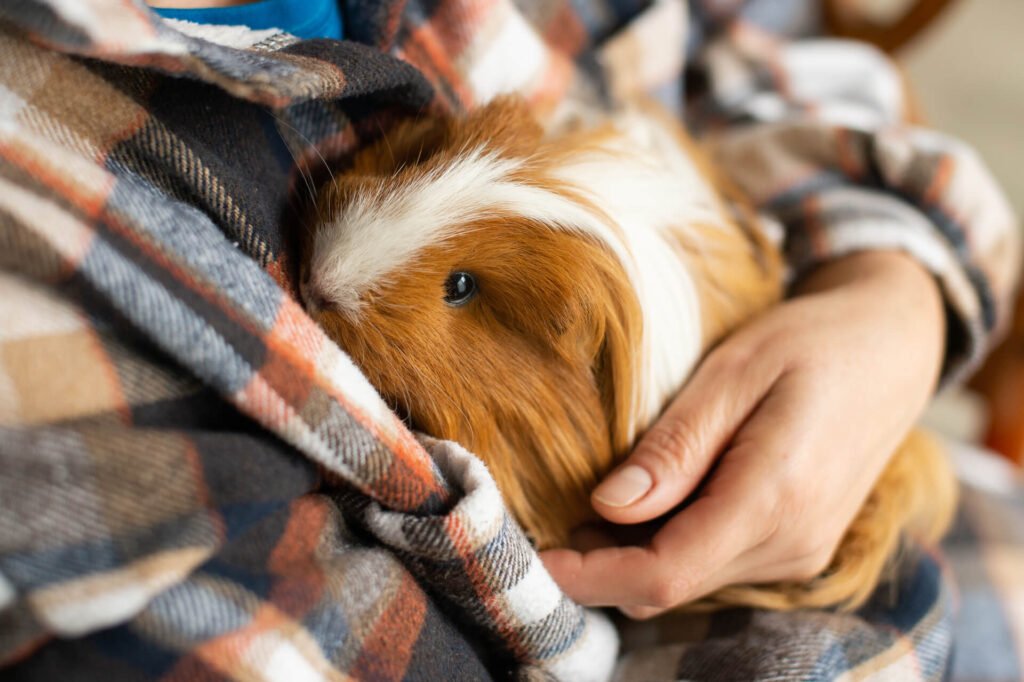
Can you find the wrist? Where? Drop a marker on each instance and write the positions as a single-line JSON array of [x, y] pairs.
[[875, 269], [890, 287]]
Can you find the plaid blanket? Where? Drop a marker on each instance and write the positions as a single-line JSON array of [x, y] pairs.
[[985, 550], [197, 484]]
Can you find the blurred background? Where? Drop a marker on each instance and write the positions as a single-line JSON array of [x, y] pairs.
[[968, 70], [965, 62]]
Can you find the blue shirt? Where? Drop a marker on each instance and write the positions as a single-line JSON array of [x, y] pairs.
[[301, 18]]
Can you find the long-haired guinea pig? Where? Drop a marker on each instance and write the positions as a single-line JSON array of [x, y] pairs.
[[540, 299]]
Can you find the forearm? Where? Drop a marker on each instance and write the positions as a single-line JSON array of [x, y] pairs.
[[893, 281]]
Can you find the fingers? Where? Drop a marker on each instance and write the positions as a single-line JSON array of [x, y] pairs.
[[684, 560], [726, 536], [677, 451], [641, 612]]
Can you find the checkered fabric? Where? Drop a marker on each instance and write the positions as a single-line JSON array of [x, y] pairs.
[[985, 551], [196, 484]]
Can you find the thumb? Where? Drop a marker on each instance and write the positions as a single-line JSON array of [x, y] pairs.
[[678, 450]]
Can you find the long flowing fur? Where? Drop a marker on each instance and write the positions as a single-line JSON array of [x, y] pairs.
[[608, 260]]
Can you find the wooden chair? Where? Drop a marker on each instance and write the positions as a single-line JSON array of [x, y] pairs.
[[1001, 382], [852, 19]]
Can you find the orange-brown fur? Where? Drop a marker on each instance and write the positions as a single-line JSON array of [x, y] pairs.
[[530, 377], [518, 356]]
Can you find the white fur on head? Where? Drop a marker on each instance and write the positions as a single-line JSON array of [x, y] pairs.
[[382, 229], [648, 192]]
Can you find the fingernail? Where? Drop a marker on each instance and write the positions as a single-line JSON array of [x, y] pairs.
[[624, 487]]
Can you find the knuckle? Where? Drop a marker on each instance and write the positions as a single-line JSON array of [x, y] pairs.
[[659, 595], [813, 565], [771, 514], [732, 357], [662, 596], [813, 553], [785, 505], [672, 445], [792, 491], [806, 545], [640, 612], [804, 572], [668, 590]]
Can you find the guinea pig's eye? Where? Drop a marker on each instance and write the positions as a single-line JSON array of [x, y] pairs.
[[459, 288]]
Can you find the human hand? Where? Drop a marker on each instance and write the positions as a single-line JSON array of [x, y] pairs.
[[808, 402]]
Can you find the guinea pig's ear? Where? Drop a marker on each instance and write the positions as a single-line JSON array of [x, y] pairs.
[[407, 144], [505, 125], [618, 326], [603, 333]]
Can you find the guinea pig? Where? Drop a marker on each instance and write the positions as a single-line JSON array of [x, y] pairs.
[[540, 298]]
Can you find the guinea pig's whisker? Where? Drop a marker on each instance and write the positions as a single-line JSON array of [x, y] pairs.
[[306, 179], [309, 143], [307, 175], [387, 143]]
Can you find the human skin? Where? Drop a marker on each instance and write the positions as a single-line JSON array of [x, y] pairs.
[[801, 409]]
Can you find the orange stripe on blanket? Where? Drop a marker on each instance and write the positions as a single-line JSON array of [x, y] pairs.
[[298, 340], [935, 196], [92, 204], [388, 648], [193, 669], [405, 484], [296, 336], [44, 169], [565, 31], [940, 181], [294, 560], [133, 125], [68, 237], [270, 646], [272, 394], [480, 578], [182, 274], [115, 394], [846, 154], [26, 648], [456, 23], [195, 464], [816, 235], [554, 82], [431, 58], [394, 20]]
